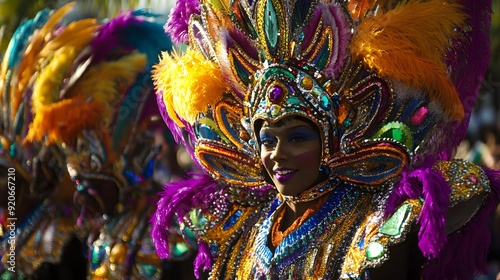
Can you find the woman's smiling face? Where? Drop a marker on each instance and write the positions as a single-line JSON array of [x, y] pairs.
[[291, 154]]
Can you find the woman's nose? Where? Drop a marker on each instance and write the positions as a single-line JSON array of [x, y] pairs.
[[280, 152]]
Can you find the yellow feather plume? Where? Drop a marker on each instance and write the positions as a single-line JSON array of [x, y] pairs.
[[27, 66], [106, 81], [190, 85], [408, 43], [87, 103], [77, 34]]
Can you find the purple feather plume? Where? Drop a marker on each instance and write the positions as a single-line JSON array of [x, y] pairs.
[[178, 198], [469, 58], [203, 259], [178, 23], [184, 136], [427, 183], [466, 252], [108, 37], [432, 219]]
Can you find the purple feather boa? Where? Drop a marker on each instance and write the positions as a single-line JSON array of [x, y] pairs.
[[108, 37], [178, 22], [179, 198], [429, 184], [184, 136], [466, 251]]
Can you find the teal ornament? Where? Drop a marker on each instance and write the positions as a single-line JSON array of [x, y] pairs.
[[80, 187], [293, 100], [325, 102], [271, 25], [180, 249], [98, 253], [13, 150], [148, 270]]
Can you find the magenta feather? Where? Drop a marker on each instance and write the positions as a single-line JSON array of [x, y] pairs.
[[466, 252], [432, 219], [468, 59], [179, 198], [429, 184], [108, 37], [203, 259], [184, 136], [333, 16], [178, 22]]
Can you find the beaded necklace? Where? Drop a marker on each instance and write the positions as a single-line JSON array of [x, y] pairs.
[[313, 193]]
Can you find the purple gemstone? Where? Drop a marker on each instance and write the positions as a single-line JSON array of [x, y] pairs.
[[276, 94]]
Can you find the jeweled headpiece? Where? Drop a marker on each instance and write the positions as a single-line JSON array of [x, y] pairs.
[[380, 96], [384, 81]]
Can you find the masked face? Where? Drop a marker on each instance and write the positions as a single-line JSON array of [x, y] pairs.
[[291, 154], [97, 182]]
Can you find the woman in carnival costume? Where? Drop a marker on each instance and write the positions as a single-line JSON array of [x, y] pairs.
[[326, 131]]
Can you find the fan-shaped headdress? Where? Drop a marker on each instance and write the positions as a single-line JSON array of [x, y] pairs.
[[92, 91], [384, 82]]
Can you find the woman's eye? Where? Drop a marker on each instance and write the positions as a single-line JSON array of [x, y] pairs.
[[297, 138], [267, 141]]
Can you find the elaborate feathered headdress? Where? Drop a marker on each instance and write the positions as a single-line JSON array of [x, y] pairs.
[[38, 165], [386, 83], [91, 90]]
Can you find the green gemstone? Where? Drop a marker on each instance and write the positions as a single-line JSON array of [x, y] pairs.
[[394, 224], [276, 71], [180, 248], [271, 24], [293, 100], [13, 151], [198, 220], [275, 110], [148, 270], [325, 102], [374, 251]]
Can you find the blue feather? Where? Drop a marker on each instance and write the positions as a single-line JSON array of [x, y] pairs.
[[21, 36]]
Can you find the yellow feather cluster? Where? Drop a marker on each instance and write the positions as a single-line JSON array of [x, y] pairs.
[[31, 58], [88, 102], [408, 44], [190, 85], [61, 53], [106, 81], [64, 120]]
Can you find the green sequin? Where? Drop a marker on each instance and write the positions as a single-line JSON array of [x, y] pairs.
[[397, 131], [148, 270], [374, 251], [180, 249], [394, 224]]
